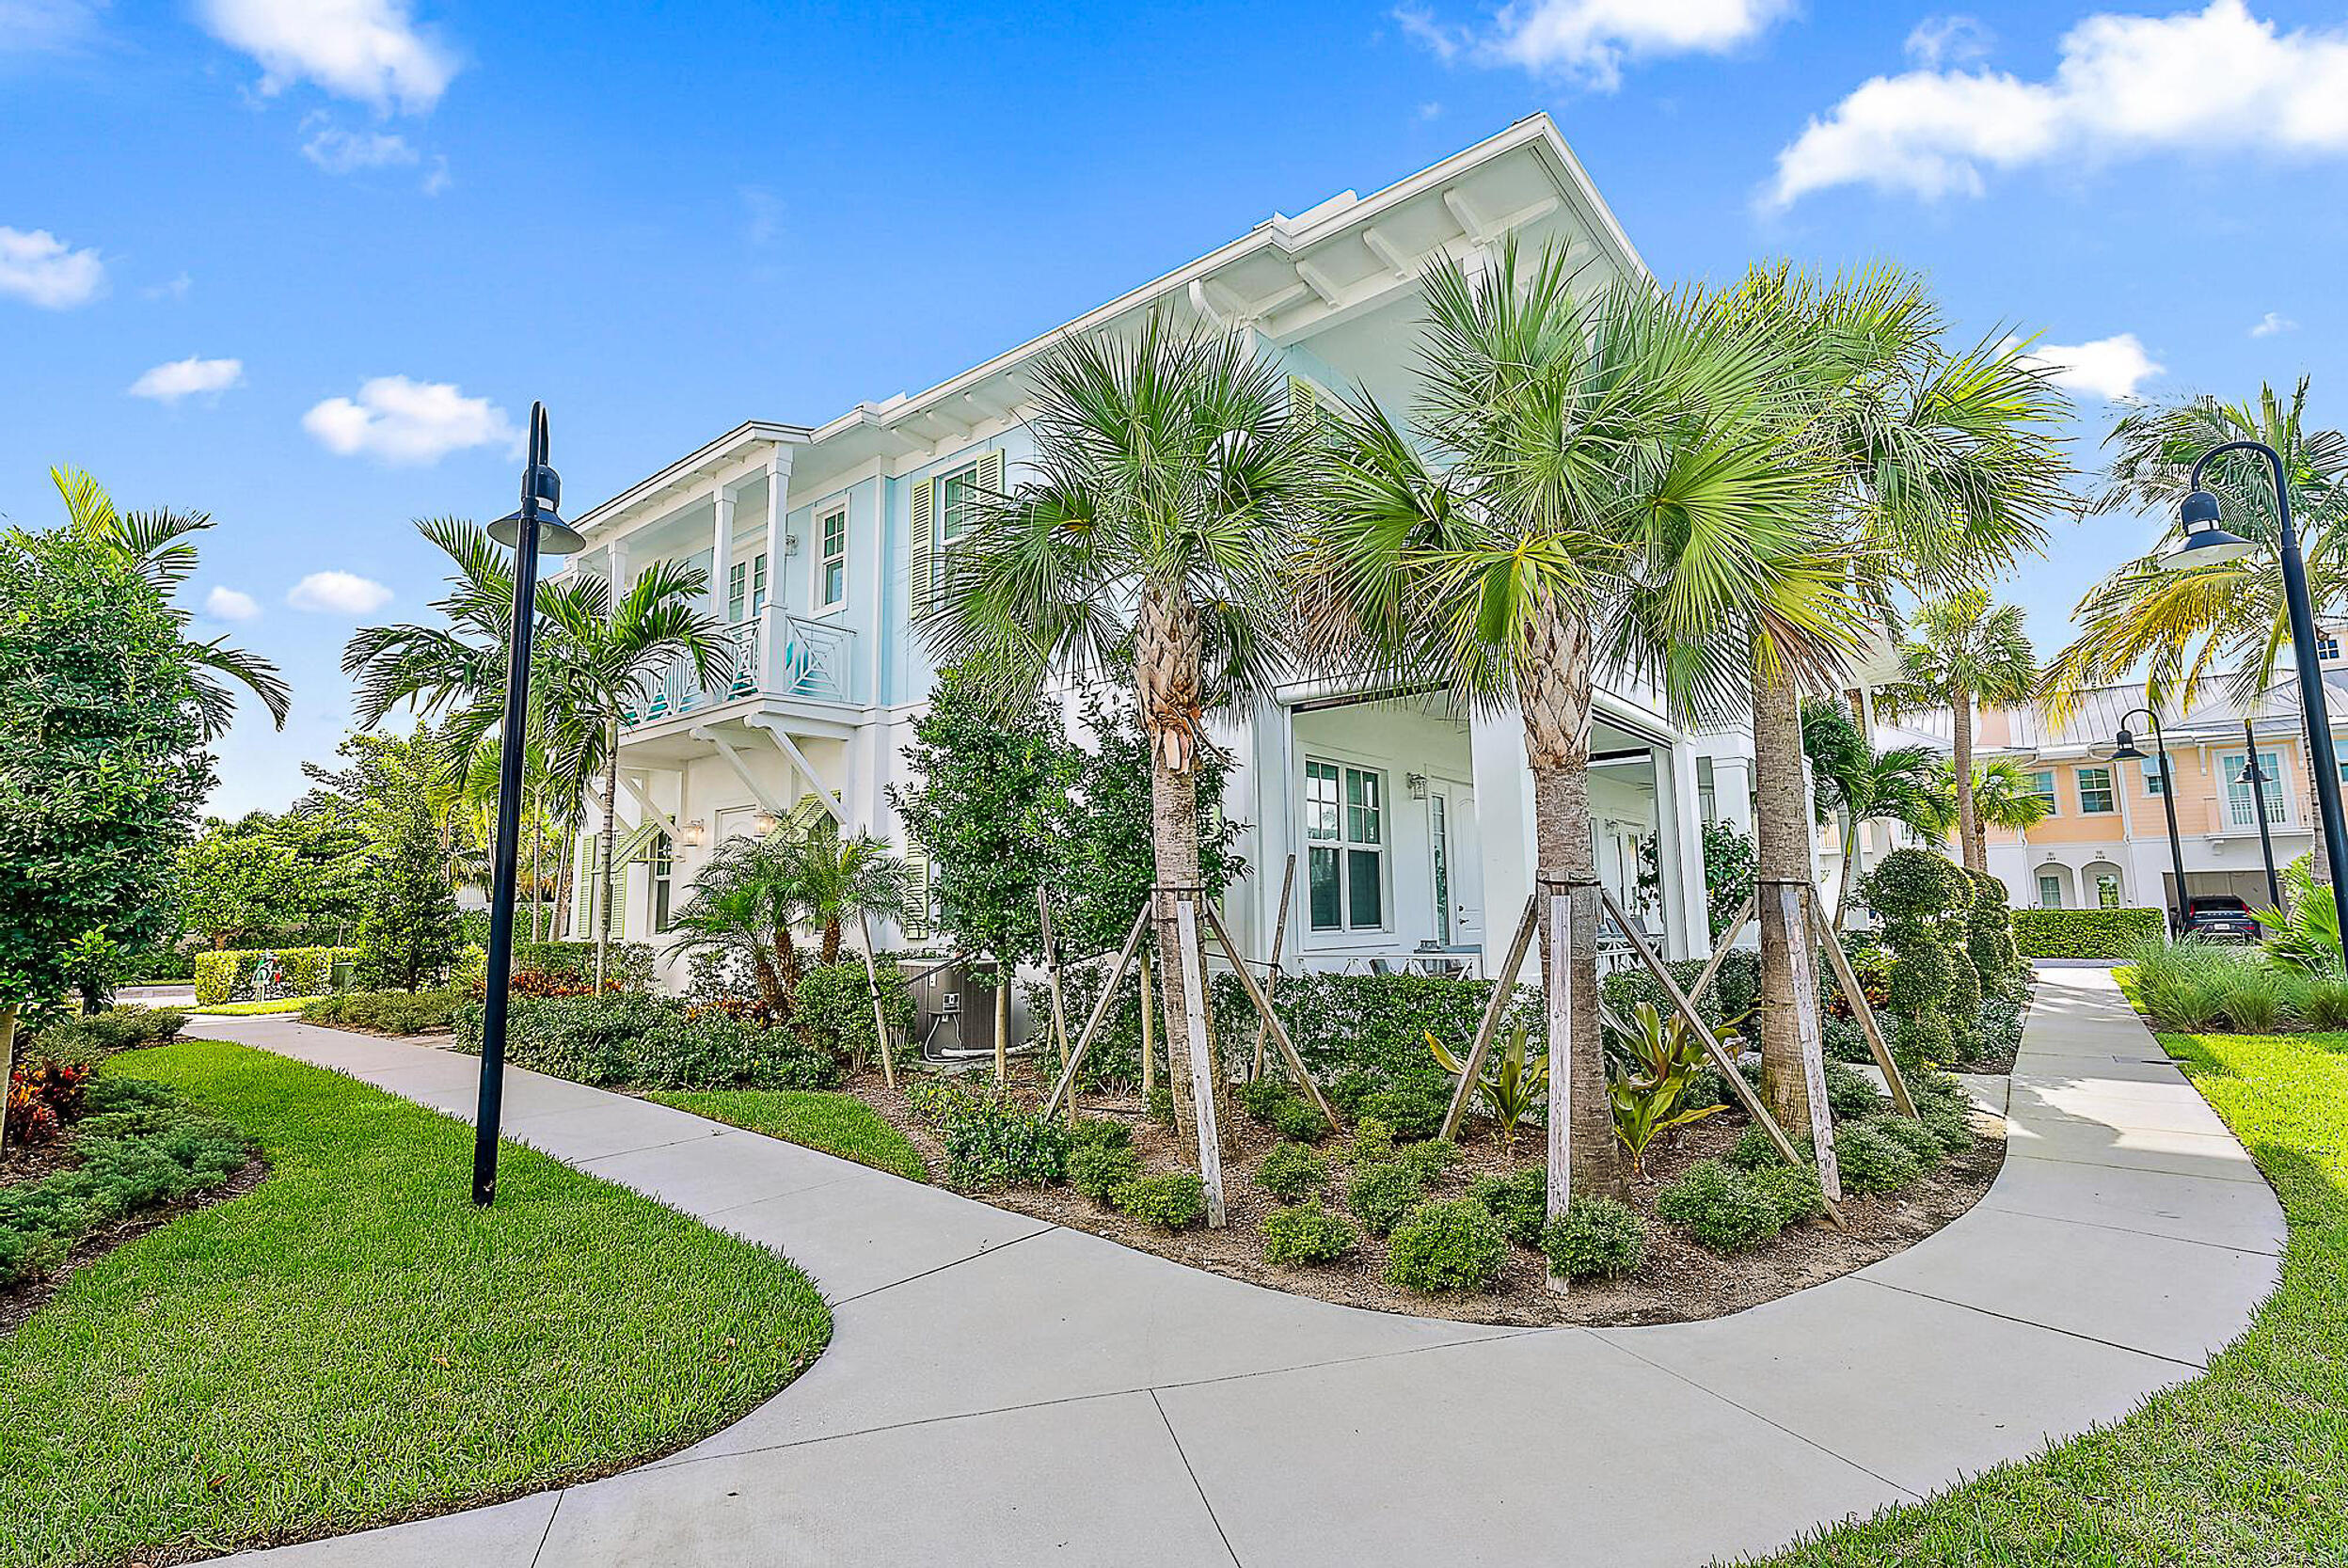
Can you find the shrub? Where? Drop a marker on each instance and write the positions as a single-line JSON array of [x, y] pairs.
[[86, 1037], [1871, 1162], [1793, 1190], [1277, 1104], [1372, 1141], [1849, 1094], [2324, 1003], [1913, 1137], [1169, 1200], [1100, 1133], [1412, 1112], [651, 1042], [1723, 1208], [1754, 1149], [1350, 1090], [388, 1012], [1432, 1159], [2085, 933], [1594, 1237], [1292, 1171], [1383, 1195], [1950, 1122], [1519, 1200], [1162, 1105], [2196, 987], [992, 1140], [226, 975], [1307, 1233], [1446, 1246], [628, 964], [1096, 1170], [832, 1007]]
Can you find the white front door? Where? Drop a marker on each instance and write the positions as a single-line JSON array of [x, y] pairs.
[[1458, 865]]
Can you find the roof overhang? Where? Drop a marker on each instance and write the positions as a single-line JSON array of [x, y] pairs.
[[689, 472]]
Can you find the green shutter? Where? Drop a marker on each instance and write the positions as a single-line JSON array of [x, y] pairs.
[[1304, 398], [809, 811], [583, 883], [916, 921], [924, 545]]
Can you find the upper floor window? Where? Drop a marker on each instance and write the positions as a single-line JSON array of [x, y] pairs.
[[663, 865], [2151, 767], [2095, 791], [832, 562], [746, 588], [1346, 846], [2328, 647], [2242, 809], [957, 494], [2042, 785]]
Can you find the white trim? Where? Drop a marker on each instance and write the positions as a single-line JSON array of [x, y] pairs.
[[820, 558]]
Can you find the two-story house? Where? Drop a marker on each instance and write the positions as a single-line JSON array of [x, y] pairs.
[[1411, 822]]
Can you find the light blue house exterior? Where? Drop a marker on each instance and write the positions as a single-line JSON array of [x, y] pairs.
[[1411, 824]]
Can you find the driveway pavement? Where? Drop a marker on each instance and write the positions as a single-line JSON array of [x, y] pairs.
[[1000, 1391]]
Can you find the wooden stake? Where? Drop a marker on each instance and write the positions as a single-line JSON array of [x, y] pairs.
[[1721, 1061], [1271, 1022], [1503, 987], [1203, 1070], [1822, 931], [1280, 941], [1100, 1010], [880, 1015], [1793, 914], [1149, 1033], [1052, 984], [1558, 988], [1002, 1023], [1721, 947]]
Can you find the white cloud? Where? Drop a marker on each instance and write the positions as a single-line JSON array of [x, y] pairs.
[[1419, 24], [437, 178], [227, 604], [41, 269], [179, 378], [341, 152], [1939, 40], [2270, 323], [369, 50], [1431, 110], [2110, 368], [2205, 82], [175, 289], [399, 420], [44, 26], [1589, 41], [339, 593]]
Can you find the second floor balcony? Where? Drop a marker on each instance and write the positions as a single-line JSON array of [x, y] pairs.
[[777, 657]]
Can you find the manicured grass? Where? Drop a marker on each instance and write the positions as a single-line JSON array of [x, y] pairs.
[[837, 1124], [354, 1343], [2245, 1467], [254, 1009]]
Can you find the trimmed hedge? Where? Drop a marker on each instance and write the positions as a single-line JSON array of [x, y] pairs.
[[2085, 933], [648, 1043], [227, 974]]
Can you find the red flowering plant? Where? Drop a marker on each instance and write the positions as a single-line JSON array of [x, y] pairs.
[[42, 1098]]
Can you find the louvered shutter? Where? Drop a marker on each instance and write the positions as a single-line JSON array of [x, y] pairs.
[[583, 882], [810, 811], [916, 921], [991, 472], [924, 543], [1304, 399]]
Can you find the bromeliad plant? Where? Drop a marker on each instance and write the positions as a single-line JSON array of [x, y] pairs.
[[1512, 1085], [1658, 1059]]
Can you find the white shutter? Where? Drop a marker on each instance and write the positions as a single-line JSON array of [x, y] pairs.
[[990, 471], [924, 545], [1304, 399], [916, 921]]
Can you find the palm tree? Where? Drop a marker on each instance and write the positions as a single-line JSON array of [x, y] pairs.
[[1856, 784], [843, 879], [2003, 795], [1612, 484], [1965, 651], [742, 904], [1940, 466], [1150, 537], [157, 544]]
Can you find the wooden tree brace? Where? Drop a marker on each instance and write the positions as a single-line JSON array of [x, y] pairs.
[[1203, 1070], [1809, 1029], [1270, 1022], [880, 1015], [1504, 986], [1280, 941], [1565, 911], [1822, 931], [1720, 1059], [1721, 945], [1099, 1010]]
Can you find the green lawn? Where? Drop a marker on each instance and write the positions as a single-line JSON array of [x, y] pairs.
[[2245, 1467], [354, 1343], [838, 1124]]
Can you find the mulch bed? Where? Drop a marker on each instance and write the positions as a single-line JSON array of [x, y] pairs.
[[1678, 1282], [19, 1301]]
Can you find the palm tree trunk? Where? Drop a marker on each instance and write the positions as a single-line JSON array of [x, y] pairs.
[[832, 940], [609, 848], [1968, 835], [1554, 686], [563, 876], [1852, 829], [1781, 831]]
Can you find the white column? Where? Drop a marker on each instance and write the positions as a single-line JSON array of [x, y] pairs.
[[1731, 790], [721, 550], [1679, 853], [1495, 750], [772, 618]]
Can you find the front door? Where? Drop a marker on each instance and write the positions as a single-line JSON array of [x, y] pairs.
[[1457, 865]]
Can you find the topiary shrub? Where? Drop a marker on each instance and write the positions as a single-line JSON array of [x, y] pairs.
[[1097, 1170], [1383, 1195], [1990, 938], [1519, 1200], [1446, 1246], [1169, 1200], [1721, 1206], [1594, 1237], [1917, 893], [1307, 1233], [2085, 933], [650, 1042], [1871, 1162], [1292, 1171]]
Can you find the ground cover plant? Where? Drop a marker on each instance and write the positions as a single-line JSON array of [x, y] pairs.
[[354, 1341], [2200, 986], [837, 1124], [388, 1012], [2247, 1465]]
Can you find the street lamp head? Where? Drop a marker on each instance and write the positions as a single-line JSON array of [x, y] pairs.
[[2205, 543], [542, 498], [2252, 773], [2126, 751]]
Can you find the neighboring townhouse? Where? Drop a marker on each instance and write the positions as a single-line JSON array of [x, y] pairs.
[[1410, 821]]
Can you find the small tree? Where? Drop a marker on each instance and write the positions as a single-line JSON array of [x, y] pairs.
[[410, 933], [101, 767], [1914, 892], [1728, 874]]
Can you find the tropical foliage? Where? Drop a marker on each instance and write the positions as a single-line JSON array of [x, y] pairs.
[[1964, 652]]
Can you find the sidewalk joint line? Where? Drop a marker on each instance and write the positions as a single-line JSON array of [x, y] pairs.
[[548, 1534], [1989, 1203], [1047, 1227], [1175, 1438], [2033, 1322]]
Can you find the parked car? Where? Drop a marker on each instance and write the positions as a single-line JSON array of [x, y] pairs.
[[2220, 917]]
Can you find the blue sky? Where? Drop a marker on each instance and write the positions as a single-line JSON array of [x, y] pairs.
[[337, 245]]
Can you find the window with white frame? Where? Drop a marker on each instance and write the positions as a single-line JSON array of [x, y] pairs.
[[958, 494], [2042, 785], [2242, 809], [2151, 767], [2106, 892], [1346, 846], [2050, 893], [746, 588], [663, 866], [2096, 797], [831, 559]]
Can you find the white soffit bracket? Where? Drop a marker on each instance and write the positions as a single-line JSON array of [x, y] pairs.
[[790, 748]]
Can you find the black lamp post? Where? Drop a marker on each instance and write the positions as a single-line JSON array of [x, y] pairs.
[[533, 530], [2126, 752], [2207, 544], [2255, 776]]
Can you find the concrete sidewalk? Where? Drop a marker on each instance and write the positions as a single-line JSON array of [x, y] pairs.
[[1002, 1390]]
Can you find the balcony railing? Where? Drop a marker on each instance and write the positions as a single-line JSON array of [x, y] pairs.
[[776, 655]]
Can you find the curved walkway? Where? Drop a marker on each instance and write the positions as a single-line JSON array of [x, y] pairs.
[[1003, 1390]]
